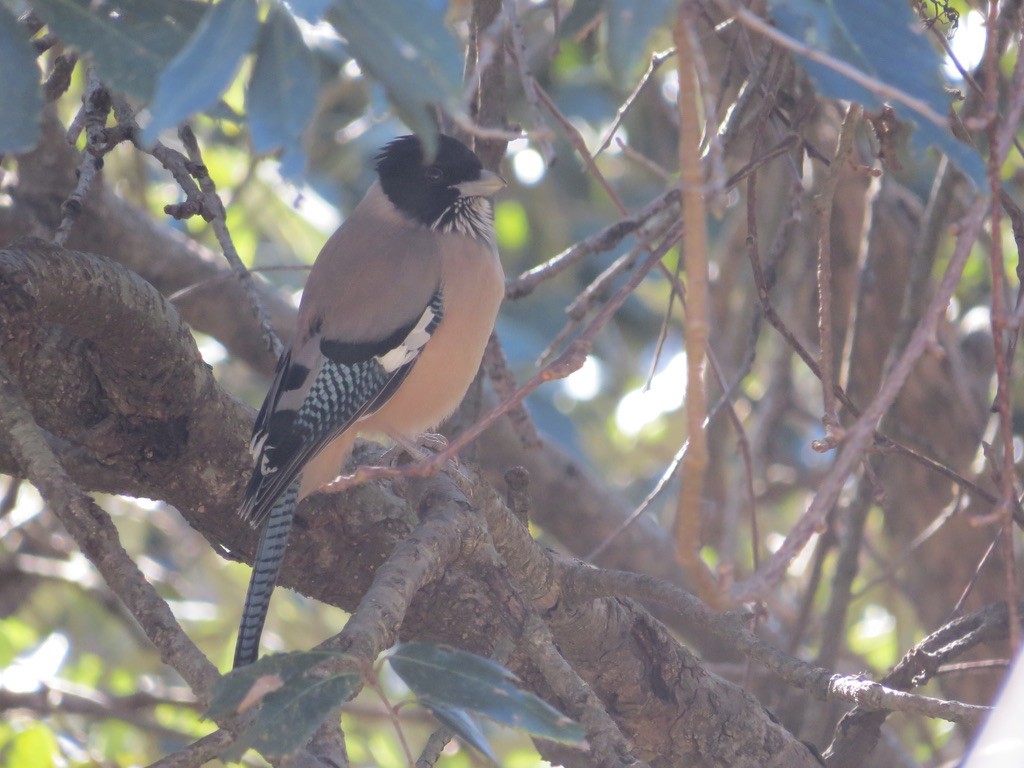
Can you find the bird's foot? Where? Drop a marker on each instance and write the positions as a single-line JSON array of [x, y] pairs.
[[432, 441], [420, 448]]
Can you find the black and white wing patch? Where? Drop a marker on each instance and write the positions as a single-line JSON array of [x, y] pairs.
[[354, 380]]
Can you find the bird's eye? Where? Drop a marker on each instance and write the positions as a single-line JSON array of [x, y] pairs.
[[433, 174]]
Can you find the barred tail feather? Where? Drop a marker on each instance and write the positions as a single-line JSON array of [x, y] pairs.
[[265, 568]]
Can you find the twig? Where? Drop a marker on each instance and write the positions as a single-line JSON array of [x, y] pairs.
[[613, 234], [883, 442], [97, 538], [415, 561], [862, 431], [590, 297], [547, 149], [219, 222], [200, 199], [858, 730], [605, 240], [670, 471], [59, 79], [609, 746], [644, 162], [95, 107], [686, 528], [904, 557], [580, 146], [834, 619], [744, 446], [969, 587], [504, 383], [790, 142], [706, 91], [56, 699], [435, 745], [657, 59], [188, 290], [373, 683], [198, 753], [823, 207], [999, 320], [581, 582], [883, 90], [10, 498]]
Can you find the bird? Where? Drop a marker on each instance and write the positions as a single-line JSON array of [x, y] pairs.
[[391, 329]]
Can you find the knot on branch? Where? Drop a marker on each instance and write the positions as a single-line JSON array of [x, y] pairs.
[[103, 356]]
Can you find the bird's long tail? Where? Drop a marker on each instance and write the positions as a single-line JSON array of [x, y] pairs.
[[265, 568]]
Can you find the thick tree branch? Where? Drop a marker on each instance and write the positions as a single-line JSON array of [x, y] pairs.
[[97, 537]]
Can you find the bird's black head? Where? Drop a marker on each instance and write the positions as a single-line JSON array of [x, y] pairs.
[[426, 191]]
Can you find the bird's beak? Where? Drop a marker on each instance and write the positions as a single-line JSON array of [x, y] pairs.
[[488, 184]]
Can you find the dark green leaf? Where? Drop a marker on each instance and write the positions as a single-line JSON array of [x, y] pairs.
[[282, 91], [886, 41], [20, 93], [186, 13], [630, 24], [292, 701], [463, 724], [203, 69], [232, 689], [409, 52], [129, 41], [454, 678], [289, 715], [581, 16]]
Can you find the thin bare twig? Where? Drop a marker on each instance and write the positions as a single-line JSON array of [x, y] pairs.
[[823, 207], [686, 528], [95, 108], [862, 431], [599, 242], [98, 539], [198, 753], [883, 90], [504, 383], [999, 314], [219, 222], [547, 149], [673, 466], [657, 59]]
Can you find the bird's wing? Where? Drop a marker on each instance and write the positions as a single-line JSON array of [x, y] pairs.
[[319, 391]]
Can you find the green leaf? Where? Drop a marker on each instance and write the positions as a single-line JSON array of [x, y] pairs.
[[630, 24], [282, 90], [888, 42], [292, 701], [203, 69], [130, 41], [407, 50], [291, 714], [20, 92], [233, 688], [35, 747], [463, 724], [16, 636], [443, 675]]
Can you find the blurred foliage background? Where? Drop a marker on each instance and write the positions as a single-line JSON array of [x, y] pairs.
[[79, 687]]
